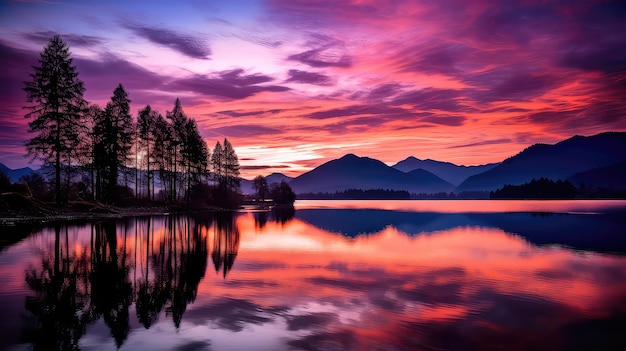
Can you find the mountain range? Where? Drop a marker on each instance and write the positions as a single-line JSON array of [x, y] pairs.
[[447, 171], [593, 161], [353, 172], [15, 174], [559, 161]]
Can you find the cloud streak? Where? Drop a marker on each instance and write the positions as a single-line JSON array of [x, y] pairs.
[[188, 45], [233, 84]]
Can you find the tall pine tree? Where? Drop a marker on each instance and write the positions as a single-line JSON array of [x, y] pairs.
[[55, 102], [146, 120], [116, 131], [217, 163], [177, 118], [231, 167]]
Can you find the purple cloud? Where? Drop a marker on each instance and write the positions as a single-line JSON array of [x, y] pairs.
[[246, 130], [79, 40], [452, 121], [485, 142], [607, 56], [384, 91], [508, 83], [514, 23], [185, 44], [241, 113], [102, 75], [356, 110], [318, 58], [227, 84], [367, 116], [257, 168], [16, 66], [325, 51], [434, 99], [297, 76], [437, 58]]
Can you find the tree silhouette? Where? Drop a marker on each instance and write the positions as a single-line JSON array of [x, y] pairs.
[[75, 288], [111, 290], [61, 305], [260, 185], [112, 150], [55, 102], [178, 118], [225, 242], [231, 167], [260, 219], [146, 120], [282, 193], [195, 155], [36, 183], [97, 144], [537, 189], [189, 272], [5, 182], [217, 163], [163, 153]]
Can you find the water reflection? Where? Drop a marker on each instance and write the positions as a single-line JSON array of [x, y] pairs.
[[157, 264], [60, 307], [225, 243], [351, 279], [281, 214], [597, 232]]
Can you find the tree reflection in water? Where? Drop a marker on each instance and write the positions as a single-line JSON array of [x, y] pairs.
[[154, 263], [225, 242], [61, 307]]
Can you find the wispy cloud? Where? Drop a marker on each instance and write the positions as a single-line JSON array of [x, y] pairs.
[[483, 142], [233, 84], [78, 40], [186, 44], [297, 76]]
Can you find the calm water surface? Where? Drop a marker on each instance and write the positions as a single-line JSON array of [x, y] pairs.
[[331, 275]]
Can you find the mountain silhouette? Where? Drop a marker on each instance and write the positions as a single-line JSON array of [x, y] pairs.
[[611, 177], [247, 188], [277, 178], [558, 161], [447, 171], [15, 174], [353, 172]]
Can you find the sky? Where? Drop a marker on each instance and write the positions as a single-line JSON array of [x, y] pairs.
[[295, 83]]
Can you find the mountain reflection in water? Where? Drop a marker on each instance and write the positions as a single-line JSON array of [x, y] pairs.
[[345, 279]]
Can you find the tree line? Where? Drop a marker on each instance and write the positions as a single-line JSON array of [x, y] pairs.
[[541, 188], [102, 153]]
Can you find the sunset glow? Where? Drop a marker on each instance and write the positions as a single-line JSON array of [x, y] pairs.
[[294, 83]]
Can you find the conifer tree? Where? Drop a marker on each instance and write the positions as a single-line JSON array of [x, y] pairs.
[[231, 167], [146, 120], [177, 118], [217, 163], [55, 102], [116, 131], [163, 153]]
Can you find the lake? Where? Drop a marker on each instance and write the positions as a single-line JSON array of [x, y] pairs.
[[329, 275]]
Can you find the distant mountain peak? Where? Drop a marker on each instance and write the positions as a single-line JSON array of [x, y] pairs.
[[552, 161], [447, 171], [354, 172], [349, 156]]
